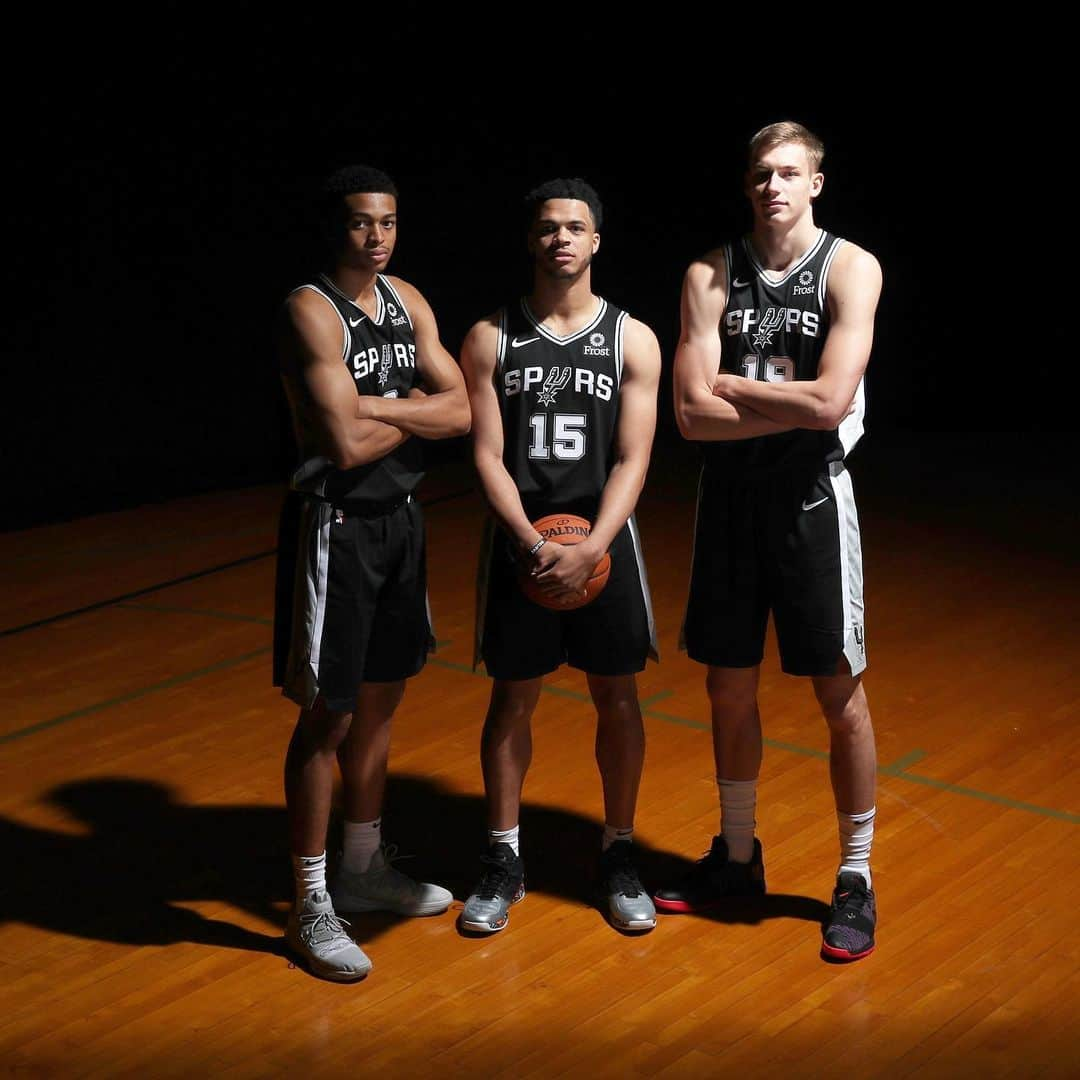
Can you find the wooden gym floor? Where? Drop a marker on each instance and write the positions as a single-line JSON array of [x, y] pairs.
[[146, 878]]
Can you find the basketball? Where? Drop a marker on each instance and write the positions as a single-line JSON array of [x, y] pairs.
[[566, 529]]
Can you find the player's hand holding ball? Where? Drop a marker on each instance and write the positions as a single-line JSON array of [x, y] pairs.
[[563, 578]]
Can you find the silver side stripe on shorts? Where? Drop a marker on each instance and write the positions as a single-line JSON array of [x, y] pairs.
[[851, 563], [312, 562], [654, 649]]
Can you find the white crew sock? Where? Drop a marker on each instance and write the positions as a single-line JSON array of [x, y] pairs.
[[504, 836], [856, 839], [738, 800], [309, 874], [611, 834], [362, 840]]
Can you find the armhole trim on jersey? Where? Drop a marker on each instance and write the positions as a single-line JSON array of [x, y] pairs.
[[397, 296], [346, 337], [619, 324], [500, 342], [823, 280]]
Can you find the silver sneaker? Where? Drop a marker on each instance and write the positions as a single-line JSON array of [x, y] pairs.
[[382, 887], [317, 936], [629, 906], [502, 883]]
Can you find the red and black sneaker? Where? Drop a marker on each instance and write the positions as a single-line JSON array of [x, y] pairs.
[[849, 932], [713, 880]]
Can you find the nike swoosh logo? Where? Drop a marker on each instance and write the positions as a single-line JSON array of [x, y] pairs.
[[810, 506], [356, 322], [524, 341], [740, 284]]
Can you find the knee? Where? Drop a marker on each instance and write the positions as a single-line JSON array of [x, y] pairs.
[[732, 688], [321, 730], [616, 701], [510, 709], [846, 714]]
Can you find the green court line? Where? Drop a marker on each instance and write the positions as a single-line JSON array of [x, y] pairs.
[[897, 769], [159, 586], [134, 695], [198, 611], [114, 600], [697, 725], [645, 702], [902, 763], [986, 796], [452, 665], [562, 691]]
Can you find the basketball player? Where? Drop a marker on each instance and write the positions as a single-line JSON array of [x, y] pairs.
[[366, 377], [776, 335], [563, 391]]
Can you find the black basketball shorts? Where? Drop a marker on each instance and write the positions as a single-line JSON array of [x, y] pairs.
[[786, 542], [518, 639], [351, 604]]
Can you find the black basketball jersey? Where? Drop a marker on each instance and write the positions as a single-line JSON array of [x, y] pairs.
[[380, 354], [559, 398], [774, 330]]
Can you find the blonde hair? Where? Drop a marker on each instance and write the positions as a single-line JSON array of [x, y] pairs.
[[787, 131]]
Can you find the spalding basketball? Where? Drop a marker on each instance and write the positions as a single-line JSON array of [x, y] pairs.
[[566, 529]]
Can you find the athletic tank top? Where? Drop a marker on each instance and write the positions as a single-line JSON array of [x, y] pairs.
[[380, 354], [774, 331], [559, 399]]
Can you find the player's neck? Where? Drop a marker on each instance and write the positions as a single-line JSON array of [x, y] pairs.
[[357, 285], [779, 248], [564, 305]]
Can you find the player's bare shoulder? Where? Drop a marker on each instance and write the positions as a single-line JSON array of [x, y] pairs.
[[640, 345], [305, 309], [309, 329], [854, 277], [411, 297], [482, 340], [709, 272]]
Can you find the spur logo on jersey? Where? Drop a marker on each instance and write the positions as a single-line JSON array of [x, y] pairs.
[[792, 320], [373, 360], [556, 380], [585, 381], [771, 321], [596, 346], [806, 284], [395, 318]]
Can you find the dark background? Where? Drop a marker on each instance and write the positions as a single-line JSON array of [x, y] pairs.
[[162, 181]]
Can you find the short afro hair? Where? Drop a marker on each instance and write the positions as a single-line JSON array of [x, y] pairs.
[[572, 187], [351, 180]]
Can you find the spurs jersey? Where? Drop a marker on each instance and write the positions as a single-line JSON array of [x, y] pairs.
[[774, 331], [559, 399], [380, 354]]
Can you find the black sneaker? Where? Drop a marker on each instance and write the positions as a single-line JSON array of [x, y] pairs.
[[502, 883], [628, 904], [849, 932], [712, 880]]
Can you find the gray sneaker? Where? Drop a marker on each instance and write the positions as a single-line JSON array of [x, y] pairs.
[[502, 883], [629, 906], [317, 937], [382, 887]]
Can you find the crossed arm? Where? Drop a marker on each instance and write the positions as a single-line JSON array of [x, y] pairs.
[[356, 430], [714, 404], [566, 568]]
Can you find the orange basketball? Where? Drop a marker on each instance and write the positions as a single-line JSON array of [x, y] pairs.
[[567, 529]]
